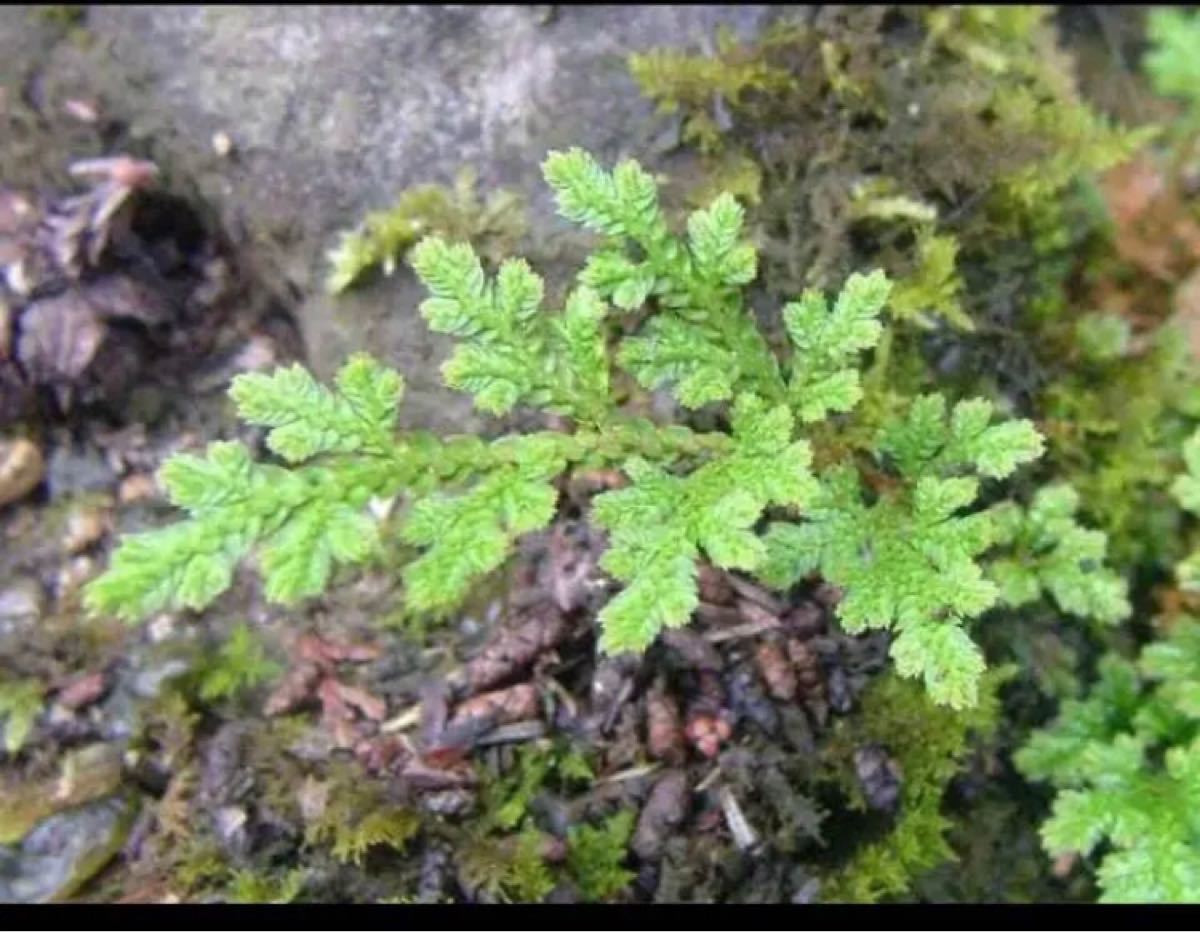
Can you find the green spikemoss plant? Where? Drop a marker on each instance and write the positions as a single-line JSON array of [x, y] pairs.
[[1126, 764], [1125, 760], [905, 549]]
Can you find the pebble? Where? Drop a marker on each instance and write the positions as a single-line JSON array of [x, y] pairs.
[[21, 599], [21, 469], [85, 525], [65, 851], [72, 577], [78, 470], [136, 488]]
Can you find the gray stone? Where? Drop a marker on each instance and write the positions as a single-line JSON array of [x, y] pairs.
[[78, 469], [333, 110], [21, 604], [64, 851], [21, 599]]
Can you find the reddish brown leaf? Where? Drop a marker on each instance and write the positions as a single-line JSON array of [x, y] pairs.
[[752, 593], [806, 663], [370, 706], [325, 653], [83, 691], [295, 688], [776, 670], [501, 707], [664, 727], [422, 775], [515, 649]]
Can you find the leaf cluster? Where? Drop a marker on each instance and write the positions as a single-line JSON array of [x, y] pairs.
[[1172, 61], [241, 663], [1125, 761], [20, 706], [1186, 490], [358, 819], [385, 236], [815, 103], [1051, 552], [670, 309], [596, 856], [1114, 426], [908, 559]]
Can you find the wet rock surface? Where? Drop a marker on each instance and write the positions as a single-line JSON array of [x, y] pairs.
[[64, 851]]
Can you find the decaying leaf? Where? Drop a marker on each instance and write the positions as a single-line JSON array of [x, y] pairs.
[[83, 690], [515, 648], [295, 687], [776, 670], [59, 338], [483, 712], [664, 811], [664, 727]]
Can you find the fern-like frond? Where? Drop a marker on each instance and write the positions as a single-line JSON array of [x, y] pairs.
[[660, 525], [1051, 551], [826, 343], [909, 560], [703, 343]]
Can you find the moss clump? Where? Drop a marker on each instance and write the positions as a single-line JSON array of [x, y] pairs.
[[384, 237], [929, 742]]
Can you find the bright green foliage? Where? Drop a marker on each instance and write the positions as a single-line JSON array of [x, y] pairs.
[[306, 419], [1102, 337], [356, 823], [528, 878], [824, 374], [505, 800], [240, 664], [702, 342], [20, 705], [514, 867], [385, 236], [908, 559], [1126, 763], [660, 524], [1174, 59], [1115, 428], [246, 886], [1186, 490], [929, 742], [304, 519], [934, 287], [470, 535], [596, 856], [512, 351], [511, 868], [1051, 552]]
